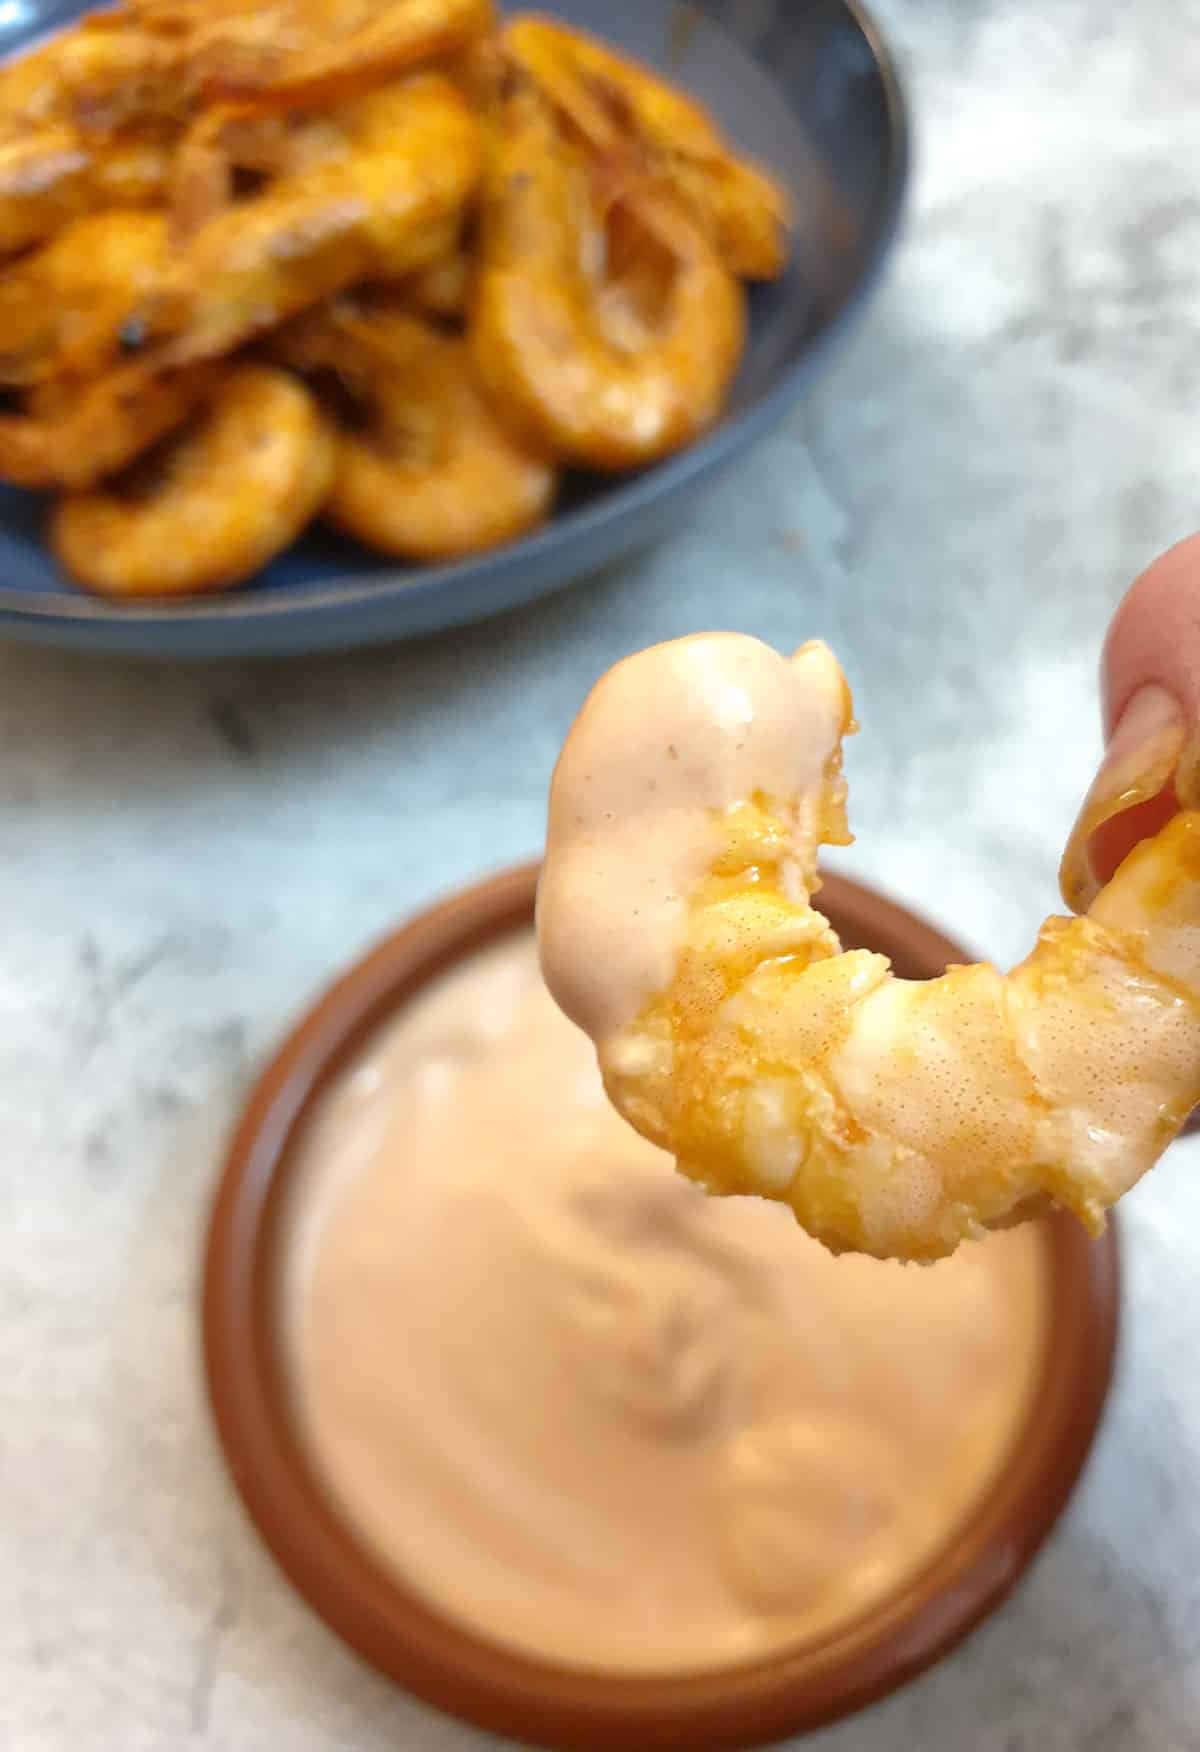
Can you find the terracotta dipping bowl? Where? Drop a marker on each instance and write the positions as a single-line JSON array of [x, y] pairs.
[[484, 1682]]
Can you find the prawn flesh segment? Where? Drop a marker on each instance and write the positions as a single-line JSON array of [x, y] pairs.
[[425, 468], [227, 493], [610, 369], [895, 1117], [621, 108]]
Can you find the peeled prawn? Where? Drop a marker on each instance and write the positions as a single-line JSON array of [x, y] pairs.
[[426, 470], [230, 492], [73, 435], [388, 204], [615, 104], [895, 1117], [606, 397]]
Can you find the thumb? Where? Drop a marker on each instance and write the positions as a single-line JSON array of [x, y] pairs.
[[1150, 686]]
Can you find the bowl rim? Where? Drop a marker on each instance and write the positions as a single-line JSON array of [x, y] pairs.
[[663, 480], [458, 1669]]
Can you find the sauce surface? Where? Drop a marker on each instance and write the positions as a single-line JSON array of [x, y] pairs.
[[588, 1411]]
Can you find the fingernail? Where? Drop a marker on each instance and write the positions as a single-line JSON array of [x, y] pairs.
[[1141, 756]]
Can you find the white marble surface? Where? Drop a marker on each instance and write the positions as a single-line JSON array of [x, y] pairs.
[[186, 855]]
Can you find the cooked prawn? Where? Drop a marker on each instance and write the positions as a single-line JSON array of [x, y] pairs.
[[388, 205], [538, 329], [324, 51], [104, 74], [61, 307], [55, 175], [895, 1117], [232, 141], [614, 103], [229, 492], [426, 470], [73, 435]]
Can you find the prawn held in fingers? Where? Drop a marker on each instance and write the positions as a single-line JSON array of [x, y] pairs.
[[231, 491], [604, 395], [426, 469], [620, 108], [895, 1117]]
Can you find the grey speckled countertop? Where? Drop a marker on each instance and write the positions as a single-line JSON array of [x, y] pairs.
[[185, 856]]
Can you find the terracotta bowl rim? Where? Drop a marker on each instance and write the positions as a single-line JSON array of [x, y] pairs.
[[447, 1664]]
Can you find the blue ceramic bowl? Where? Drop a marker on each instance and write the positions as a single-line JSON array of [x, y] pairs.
[[809, 88]]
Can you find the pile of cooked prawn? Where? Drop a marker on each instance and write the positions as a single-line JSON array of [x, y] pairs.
[[387, 262]]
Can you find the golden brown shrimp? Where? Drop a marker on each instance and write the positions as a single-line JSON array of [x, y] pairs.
[[895, 1117], [426, 469], [389, 205], [615, 103], [228, 493], [323, 51], [538, 329], [45, 182], [56, 175], [232, 140], [61, 307], [74, 435], [104, 74]]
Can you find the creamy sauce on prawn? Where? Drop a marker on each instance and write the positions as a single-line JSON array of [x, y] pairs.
[[586, 1410], [660, 750]]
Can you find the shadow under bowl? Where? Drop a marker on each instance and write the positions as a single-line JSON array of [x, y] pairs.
[[485, 1682]]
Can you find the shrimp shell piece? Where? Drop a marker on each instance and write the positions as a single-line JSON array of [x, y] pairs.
[[390, 204], [894, 1117], [616, 104], [428, 471], [74, 435], [232, 490], [537, 330]]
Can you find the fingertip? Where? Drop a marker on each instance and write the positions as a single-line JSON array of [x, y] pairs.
[[1154, 636]]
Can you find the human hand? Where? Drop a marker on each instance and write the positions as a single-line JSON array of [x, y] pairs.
[[1150, 687]]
